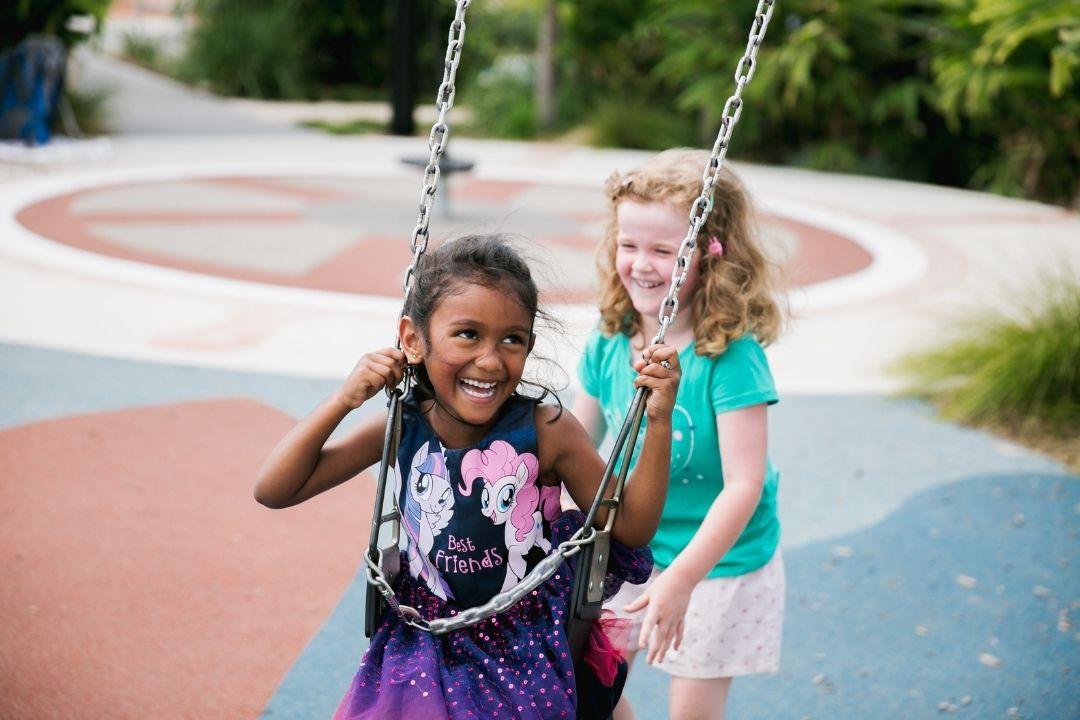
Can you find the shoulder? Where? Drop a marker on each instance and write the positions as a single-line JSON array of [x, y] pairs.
[[600, 346], [740, 376], [741, 352], [600, 362], [556, 430]]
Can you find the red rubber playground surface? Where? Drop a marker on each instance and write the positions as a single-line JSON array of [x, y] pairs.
[[142, 580], [137, 554], [247, 228]]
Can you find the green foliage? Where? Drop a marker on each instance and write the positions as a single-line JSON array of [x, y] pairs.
[[349, 127], [502, 99], [87, 109], [143, 51], [1013, 368], [21, 18], [1006, 73], [633, 122], [254, 48], [977, 93], [507, 28]]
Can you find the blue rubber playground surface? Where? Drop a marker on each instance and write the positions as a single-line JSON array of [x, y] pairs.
[[931, 569], [173, 301]]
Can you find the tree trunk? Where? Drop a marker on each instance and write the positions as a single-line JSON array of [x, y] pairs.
[[545, 68]]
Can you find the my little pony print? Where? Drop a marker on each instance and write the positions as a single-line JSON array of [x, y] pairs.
[[427, 506], [511, 494]]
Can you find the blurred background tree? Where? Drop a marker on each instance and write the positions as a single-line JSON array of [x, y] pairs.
[[307, 49], [970, 93]]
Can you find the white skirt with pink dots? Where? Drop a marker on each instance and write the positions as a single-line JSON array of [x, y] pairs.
[[732, 627]]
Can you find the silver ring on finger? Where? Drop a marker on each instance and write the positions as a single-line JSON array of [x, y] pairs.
[[666, 364]]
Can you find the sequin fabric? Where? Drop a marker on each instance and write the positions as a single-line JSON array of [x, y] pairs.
[[515, 665]]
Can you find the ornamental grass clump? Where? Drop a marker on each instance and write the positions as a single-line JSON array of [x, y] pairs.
[[1015, 369]]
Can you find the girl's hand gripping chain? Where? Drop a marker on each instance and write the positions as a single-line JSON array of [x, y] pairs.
[[375, 371], [658, 369]]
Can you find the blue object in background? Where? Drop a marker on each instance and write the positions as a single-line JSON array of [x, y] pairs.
[[31, 78]]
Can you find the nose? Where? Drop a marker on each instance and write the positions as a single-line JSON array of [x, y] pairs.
[[640, 264], [489, 360]]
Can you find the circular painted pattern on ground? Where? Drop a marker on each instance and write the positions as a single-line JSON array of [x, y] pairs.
[[351, 234]]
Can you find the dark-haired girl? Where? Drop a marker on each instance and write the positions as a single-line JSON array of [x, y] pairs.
[[480, 469]]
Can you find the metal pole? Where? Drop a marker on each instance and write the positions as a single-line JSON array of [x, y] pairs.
[[404, 54]]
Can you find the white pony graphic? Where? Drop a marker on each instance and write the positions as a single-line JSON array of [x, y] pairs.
[[427, 506]]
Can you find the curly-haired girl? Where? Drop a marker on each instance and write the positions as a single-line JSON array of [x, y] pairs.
[[714, 605]]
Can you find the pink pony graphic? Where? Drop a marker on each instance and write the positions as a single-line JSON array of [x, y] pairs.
[[511, 493]]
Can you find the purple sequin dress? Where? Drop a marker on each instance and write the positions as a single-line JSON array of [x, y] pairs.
[[476, 519]]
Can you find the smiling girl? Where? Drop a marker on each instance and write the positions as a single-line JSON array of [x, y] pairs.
[[717, 595], [480, 471]]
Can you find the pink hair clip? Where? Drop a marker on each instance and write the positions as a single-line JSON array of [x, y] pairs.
[[715, 247]]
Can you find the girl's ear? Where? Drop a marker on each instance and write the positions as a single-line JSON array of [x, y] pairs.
[[412, 342]]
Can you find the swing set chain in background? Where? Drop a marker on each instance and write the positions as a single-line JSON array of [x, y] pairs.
[[699, 211], [440, 131], [698, 215]]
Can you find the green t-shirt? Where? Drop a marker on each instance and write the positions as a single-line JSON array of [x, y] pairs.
[[739, 378]]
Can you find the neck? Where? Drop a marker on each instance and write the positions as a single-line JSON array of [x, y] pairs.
[[454, 432], [678, 334]]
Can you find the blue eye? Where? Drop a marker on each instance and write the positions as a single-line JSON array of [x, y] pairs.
[[485, 499], [506, 498]]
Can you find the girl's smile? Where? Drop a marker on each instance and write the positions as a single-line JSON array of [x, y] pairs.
[[650, 234]]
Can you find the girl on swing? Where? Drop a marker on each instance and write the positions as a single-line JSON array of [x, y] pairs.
[[717, 595], [480, 467]]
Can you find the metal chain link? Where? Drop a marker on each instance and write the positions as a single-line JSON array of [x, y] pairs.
[[698, 215], [700, 209]]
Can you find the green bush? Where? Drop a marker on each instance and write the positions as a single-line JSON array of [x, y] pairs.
[[1016, 368], [308, 48], [252, 48], [144, 51], [631, 122], [502, 99], [975, 93]]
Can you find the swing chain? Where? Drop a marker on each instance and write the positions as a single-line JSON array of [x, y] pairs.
[[440, 131], [700, 209], [499, 603], [668, 309]]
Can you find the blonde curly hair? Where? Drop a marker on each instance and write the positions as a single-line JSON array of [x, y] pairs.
[[736, 292]]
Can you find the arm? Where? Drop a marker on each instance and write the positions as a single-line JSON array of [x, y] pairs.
[[743, 435], [304, 463], [579, 467], [586, 409]]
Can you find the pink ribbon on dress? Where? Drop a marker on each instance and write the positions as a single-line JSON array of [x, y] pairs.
[[606, 649]]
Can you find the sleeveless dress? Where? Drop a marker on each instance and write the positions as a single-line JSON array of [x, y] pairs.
[[475, 520]]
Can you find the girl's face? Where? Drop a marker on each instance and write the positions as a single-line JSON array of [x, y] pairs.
[[479, 338], [649, 236]]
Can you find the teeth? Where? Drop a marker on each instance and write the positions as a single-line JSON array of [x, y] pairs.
[[646, 285], [477, 389]]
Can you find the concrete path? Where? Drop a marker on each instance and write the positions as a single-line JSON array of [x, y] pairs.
[[170, 307]]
